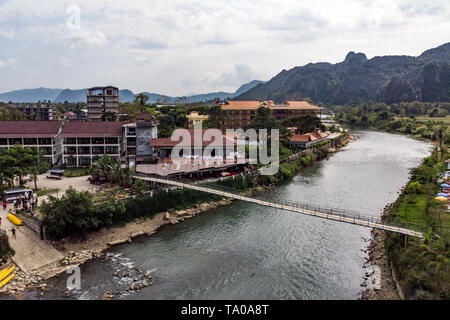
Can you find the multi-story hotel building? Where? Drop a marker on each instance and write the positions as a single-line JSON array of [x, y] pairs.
[[34, 111], [43, 135], [83, 141], [101, 100], [77, 143], [139, 135], [241, 113]]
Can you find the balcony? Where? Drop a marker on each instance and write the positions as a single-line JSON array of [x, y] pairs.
[[98, 141]]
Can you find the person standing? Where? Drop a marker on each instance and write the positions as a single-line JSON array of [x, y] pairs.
[[4, 205], [13, 231], [0, 221]]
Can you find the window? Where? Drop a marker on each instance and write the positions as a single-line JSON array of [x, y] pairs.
[[47, 150], [98, 140], [112, 150], [71, 161], [45, 141], [84, 140], [131, 141], [98, 150], [85, 161], [70, 140], [29, 141], [70, 150], [84, 150], [111, 141], [13, 141]]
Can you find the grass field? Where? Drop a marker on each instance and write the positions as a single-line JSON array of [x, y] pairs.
[[44, 192], [445, 120], [75, 172]]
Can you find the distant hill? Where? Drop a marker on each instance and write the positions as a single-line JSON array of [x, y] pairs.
[[30, 95], [125, 95], [389, 79], [80, 95]]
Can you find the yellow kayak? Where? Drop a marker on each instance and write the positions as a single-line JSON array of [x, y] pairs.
[[15, 220], [6, 280], [4, 273]]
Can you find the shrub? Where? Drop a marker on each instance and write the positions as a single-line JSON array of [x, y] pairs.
[[414, 188]]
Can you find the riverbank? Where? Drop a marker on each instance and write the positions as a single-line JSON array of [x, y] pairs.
[[379, 285], [78, 250], [418, 267]]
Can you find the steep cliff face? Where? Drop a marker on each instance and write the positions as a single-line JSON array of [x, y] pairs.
[[357, 79]]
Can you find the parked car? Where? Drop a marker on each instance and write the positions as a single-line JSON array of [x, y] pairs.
[[55, 174]]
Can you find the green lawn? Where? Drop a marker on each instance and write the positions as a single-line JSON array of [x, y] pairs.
[[76, 172], [44, 192], [427, 118]]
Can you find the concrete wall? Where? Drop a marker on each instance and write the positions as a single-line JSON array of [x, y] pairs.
[[144, 134]]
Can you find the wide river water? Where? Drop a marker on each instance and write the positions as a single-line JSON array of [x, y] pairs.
[[245, 251]]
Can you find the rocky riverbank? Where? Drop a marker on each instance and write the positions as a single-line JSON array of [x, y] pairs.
[[78, 250], [379, 281]]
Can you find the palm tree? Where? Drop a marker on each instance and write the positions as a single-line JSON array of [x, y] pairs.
[[441, 134], [141, 100]]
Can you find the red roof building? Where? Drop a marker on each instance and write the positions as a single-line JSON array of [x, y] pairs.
[[307, 139], [92, 129], [165, 145], [41, 135], [241, 113], [29, 129]]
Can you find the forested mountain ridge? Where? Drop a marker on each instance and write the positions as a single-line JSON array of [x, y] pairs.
[[389, 79]]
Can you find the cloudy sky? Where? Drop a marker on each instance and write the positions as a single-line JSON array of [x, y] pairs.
[[179, 47]]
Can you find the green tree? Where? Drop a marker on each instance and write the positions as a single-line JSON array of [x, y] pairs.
[[73, 213], [217, 118], [109, 116], [141, 100]]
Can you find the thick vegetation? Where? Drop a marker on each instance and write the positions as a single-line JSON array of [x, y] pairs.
[[423, 120], [423, 266], [17, 162], [77, 213]]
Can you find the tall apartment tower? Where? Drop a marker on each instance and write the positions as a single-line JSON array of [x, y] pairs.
[[101, 100]]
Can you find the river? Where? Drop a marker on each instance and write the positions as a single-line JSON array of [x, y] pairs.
[[245, 251]]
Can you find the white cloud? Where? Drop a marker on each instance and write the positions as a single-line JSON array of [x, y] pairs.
[[7, 33], [84, 39], [241, 73], [7, 63], [181, 46]]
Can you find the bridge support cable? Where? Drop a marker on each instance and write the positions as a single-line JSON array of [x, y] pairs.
[[317, 211]]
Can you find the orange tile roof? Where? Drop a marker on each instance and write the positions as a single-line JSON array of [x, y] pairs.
[[238, 105], [300, 137], [303, 105], [251, 105], [307, 137]]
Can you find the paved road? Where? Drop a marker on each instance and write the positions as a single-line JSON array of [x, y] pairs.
[[31, 252]]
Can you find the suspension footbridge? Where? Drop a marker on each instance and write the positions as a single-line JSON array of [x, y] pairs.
[[311, 210]]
